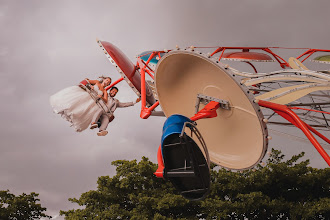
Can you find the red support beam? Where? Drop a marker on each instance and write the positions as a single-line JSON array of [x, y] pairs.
[[114, 83], [217, 51], [209, 111], [283, 64], [143, 91], [150, 73], [279, 59], [293, 118], [145, 112], [318, 133], [309, 52], [160, 170]]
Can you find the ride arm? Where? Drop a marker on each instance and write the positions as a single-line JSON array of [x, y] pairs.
[[285, 112], [209, 111]]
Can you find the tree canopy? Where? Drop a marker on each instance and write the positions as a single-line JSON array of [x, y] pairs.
[[279, 190], [22, 207]]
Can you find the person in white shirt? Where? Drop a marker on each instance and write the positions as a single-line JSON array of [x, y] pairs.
[[112, 105]]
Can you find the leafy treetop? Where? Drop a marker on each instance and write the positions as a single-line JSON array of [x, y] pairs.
[[22, 207], [279, 190]]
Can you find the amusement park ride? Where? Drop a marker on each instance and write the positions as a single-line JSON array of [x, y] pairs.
[[232, 107]]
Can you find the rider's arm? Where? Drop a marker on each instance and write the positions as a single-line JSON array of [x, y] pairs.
[[105, 96], [126, 104]]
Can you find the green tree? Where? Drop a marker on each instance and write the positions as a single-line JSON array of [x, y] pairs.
[[280, 190], [22, 207]]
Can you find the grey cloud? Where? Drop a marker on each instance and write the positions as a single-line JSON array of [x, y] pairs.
[[49, 45]]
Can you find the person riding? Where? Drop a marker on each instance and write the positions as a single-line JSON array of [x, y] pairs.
[[78, 104], [106, 117]]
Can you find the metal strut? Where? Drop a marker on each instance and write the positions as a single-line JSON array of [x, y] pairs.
[[204, 99], [293, 118]]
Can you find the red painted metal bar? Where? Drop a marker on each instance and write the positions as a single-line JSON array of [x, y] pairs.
[[217, 50], [309, 52], [222, 53], [312, 110], [145, 65], [318, 133], [289, 115], [150, 57], [114, 83], [159, 56], [245, 48], [255, 70], [209, 111], [308, 56], [283, 64], [279, 59], [143, 92], [305, 53], [149, 73], [137, 65], [158, 52], [151, 108], [160, 170], [145, 112]]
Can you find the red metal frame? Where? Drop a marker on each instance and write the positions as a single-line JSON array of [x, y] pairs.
[[312, 110], [144, 67], [309, 52], [160, 170], [114, 83], [279, 59], [255, 70], [293, 118], [209, 111]]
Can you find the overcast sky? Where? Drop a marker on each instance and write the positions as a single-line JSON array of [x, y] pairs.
[[46, 46]]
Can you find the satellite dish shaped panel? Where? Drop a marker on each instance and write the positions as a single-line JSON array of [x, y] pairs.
[[236, 138]]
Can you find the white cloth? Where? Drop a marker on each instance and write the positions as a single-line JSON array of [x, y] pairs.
[[76, 106], [96, 89]]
